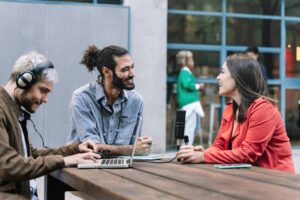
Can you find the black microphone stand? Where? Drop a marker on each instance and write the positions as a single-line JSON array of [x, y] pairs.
[[179, 128]]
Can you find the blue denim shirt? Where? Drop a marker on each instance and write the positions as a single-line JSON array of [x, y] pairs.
[[92, 118]]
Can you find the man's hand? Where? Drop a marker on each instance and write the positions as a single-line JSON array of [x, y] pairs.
[[201, 86], [190, 154], [143, 145], [81, 158], [88, 146]]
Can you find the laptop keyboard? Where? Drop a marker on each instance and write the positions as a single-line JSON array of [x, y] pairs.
[[106, 163], [113, 161]]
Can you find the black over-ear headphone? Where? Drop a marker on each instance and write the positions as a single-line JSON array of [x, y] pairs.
[[26, 79]]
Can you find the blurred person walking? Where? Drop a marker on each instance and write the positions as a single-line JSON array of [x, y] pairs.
[[188, 98], [254, 53]]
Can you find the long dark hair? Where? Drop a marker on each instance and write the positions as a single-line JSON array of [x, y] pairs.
[[249, 81], [96, 58]]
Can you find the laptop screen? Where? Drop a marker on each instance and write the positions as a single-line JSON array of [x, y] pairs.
[[136, 132]]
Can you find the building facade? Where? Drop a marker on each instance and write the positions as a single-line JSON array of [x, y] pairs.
[[214, 29], [154, 31], [63, 29]]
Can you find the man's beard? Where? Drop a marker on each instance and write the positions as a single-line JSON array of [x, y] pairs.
[[26, 103], [119, 83]]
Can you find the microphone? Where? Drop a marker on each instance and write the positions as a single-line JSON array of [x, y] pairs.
[[186, 139], [179, 127], [26, 115]]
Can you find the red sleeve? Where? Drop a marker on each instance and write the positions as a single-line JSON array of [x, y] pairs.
[[261, 121]]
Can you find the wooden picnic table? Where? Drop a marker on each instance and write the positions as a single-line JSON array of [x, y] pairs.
[[146, 180]]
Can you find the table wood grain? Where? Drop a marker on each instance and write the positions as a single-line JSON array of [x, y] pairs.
[[146, 180]]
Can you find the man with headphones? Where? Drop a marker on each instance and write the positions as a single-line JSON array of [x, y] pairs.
[[108, 110], [32, 79]]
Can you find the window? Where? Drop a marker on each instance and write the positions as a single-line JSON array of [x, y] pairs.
[[202, 5], [292, 52], [262, 7], [292, 8], [214, 29], [292, 110], [245, 32], [194, 29]]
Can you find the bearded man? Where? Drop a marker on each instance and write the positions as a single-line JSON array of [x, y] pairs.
[[108, 110]]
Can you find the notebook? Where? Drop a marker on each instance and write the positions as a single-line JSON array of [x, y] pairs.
[[111, 163]]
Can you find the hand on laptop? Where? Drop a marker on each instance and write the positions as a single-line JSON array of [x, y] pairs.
[[88, 157], [143, 145], [88, 146]]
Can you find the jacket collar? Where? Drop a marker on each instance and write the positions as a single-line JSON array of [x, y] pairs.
[[187, 69], [100, 95], [228, 112], [9, 100]]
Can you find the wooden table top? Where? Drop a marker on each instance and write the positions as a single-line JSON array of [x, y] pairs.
[[147, 180]]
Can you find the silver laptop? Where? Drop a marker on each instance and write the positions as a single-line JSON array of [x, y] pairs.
[[110, 163]]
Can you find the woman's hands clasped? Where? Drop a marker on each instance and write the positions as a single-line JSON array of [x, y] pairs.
[[191, 154]]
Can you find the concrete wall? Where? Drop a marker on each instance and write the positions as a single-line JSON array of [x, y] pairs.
[[148, 50], [61, 32]]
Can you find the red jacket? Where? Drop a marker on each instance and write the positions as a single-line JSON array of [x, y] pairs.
[[259, 140]]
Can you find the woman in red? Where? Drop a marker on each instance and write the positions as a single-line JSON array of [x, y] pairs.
[[252, 130]]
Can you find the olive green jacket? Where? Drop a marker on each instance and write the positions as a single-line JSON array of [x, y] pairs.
[[15, 170]]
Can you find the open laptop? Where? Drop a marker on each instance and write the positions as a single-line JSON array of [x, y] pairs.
[[111, 163]]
